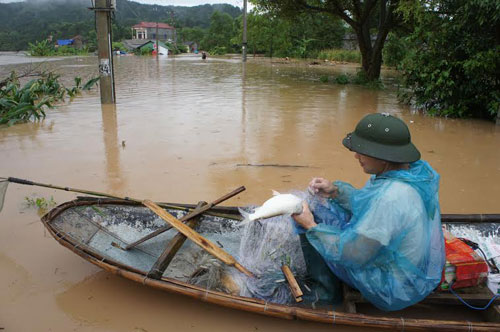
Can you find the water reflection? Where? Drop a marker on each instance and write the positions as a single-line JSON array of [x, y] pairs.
[[112, 148]]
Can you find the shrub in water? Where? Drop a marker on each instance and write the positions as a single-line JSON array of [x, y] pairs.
[[342, 79], [22, 104]]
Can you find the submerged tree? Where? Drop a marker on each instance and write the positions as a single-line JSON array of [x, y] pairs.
[[364, 17]]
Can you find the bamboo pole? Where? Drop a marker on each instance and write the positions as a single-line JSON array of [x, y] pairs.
[[197, 238], [292, 282], [197, 211], [101, 194]]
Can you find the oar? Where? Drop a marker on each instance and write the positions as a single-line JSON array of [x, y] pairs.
[[192, 214], [197, 238], [82, 191]]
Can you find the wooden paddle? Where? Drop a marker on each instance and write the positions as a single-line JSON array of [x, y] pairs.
[[197, 238], [168, 254], [192, 214]]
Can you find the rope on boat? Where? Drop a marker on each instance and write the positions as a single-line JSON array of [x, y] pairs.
[[403, 322], [471, 306], [265, 306]]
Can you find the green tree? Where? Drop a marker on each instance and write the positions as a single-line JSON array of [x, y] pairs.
[[220, 32], [304, 36], [265, 34], [452, 69], [195, 34], [364, 17]]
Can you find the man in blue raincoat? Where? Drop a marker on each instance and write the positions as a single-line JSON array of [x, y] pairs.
[[390, 246]]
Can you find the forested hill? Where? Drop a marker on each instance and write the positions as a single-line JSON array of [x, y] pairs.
[[35, 20]]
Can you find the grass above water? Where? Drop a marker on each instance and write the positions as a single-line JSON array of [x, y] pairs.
[[340, 55]]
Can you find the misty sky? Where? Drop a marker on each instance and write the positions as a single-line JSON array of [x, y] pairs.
[[238, 3]]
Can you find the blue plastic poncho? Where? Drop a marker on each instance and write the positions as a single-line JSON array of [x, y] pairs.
[[392, 248]]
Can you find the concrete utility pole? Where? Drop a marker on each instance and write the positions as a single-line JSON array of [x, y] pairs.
[[244, 46], [103, 9], [157, 45]]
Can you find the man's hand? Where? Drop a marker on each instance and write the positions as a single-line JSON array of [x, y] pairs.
[[323, 187], [306, 218]]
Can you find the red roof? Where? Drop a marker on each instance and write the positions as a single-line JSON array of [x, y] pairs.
[[153, 25]]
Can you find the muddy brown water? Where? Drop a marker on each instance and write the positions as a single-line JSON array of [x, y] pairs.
[[186, 130]]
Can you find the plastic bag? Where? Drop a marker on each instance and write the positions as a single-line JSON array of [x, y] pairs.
[[392, 248]]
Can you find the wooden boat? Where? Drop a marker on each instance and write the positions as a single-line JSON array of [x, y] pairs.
[[93, 228]]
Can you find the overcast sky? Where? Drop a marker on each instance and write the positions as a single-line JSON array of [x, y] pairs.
[[238, 3]]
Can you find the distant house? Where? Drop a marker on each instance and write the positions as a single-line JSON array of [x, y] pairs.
[[147, 30], [192, 46], [75, 42], [64, 42], [151, 45]]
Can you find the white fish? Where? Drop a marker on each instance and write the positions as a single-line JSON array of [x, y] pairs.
[[278, 205]]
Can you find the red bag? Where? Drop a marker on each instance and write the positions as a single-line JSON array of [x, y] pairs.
[[464, 267]]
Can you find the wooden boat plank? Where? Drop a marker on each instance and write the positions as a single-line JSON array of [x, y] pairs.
[[492, 314], [438, 297]]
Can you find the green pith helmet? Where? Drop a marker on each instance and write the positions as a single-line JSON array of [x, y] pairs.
[[384, 137]]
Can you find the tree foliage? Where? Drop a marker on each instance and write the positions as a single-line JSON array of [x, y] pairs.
[[366, 18], [195, 34], [220, 33], [453, 65], [303, 36]]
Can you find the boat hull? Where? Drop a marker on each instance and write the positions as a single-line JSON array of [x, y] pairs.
[[253, 305]]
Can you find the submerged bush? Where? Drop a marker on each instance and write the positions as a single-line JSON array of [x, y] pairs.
[[43, 48], [218, 50], [342, 79], [28, 103], [40, 202], [362, 79]]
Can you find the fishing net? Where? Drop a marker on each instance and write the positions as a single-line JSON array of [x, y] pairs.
[[267, 245], [264, 246], [3, 191]]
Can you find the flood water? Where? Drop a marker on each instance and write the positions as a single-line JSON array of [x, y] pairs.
[[185, 130]]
